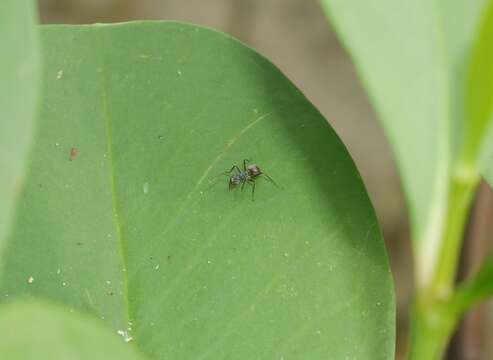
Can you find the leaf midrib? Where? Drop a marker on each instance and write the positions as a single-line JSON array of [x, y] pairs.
[[128, 319]]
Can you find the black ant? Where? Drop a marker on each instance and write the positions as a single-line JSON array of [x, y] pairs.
[[248, 175]]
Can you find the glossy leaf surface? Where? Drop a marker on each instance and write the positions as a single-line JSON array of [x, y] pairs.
[[125, 218]]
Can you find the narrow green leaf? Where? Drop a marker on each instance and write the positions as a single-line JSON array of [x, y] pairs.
[[474, 290], [412, 56], [19, 68], [480, 96], [120, 218], [481, 114], [33, 330]]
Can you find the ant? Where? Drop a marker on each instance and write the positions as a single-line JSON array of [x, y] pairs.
[[249, 175]]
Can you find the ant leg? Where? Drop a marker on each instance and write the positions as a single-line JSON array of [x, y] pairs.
[[228, 173], [245, 162], [243, 185], [234, 167], [213, 181]]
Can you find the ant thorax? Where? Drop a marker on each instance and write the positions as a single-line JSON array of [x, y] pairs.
[[240, 178]]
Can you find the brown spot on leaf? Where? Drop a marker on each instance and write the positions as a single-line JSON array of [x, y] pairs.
[[73, 153]]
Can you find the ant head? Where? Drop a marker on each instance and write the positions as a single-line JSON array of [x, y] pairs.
[[254, 170]]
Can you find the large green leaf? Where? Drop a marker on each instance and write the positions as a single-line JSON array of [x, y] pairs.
[[32, 331], [120, 218], [19, 69], [412, 56]]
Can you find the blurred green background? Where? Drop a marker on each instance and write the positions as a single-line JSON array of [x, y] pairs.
[[297, 37]]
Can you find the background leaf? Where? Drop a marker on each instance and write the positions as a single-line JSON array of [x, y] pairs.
[[120, 219], [33, 330], [19, 70], [413, 58]]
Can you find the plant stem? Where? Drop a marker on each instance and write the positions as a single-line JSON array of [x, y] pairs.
[[431, 328], [461, 194], [433, 319]]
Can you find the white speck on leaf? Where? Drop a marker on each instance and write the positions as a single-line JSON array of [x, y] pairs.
[[125, 335], [64, 283], [58, 271], [145, 187], [30, 280], [157, 267], [59, 74], [179, 72]]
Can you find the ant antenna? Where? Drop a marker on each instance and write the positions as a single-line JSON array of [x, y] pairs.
[[270, 179]]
